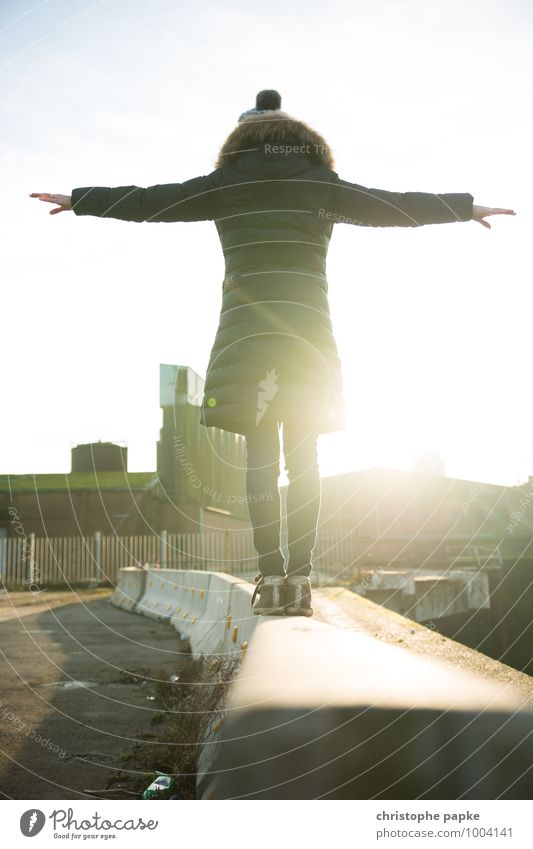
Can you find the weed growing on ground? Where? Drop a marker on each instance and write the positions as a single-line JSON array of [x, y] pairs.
[[191, 707]]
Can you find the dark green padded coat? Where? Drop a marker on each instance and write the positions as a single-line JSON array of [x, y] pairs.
[[274, 356]]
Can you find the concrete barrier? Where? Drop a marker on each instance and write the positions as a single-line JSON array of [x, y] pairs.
[[435, 596], [241, 621], [212, 609], [210, 635], [319, 711], [428, 594], [130, 588], [163, 588], [475, 587], [191, 601]]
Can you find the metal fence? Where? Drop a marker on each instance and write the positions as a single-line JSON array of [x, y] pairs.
[[27, 560], [51, 561]]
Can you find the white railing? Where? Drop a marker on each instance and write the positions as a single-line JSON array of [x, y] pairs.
[[479, 557]]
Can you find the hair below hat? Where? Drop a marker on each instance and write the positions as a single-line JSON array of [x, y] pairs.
[[270, 126]]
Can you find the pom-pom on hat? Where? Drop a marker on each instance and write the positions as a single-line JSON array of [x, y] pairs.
[[267, 100]]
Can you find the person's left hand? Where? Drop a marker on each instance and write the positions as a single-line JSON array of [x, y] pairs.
[[62, 200], [479, 213]]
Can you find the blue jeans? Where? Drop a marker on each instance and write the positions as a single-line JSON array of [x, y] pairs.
[[303, 496]]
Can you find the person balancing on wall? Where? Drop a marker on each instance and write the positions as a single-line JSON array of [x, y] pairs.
[[274, 367]]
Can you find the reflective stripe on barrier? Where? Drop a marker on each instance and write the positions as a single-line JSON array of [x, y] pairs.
[[130, 588]]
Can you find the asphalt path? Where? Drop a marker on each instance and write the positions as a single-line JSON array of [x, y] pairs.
[[77, 687]]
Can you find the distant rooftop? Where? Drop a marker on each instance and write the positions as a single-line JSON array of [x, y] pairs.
[[388, 471], [77, 481]]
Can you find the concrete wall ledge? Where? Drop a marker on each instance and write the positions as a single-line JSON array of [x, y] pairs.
[[345, 609], [319, 711], [356, 703]]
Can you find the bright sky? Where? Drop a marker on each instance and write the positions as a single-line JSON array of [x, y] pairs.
[[433, 324]]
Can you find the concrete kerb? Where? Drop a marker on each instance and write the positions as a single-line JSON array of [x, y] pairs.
[[163, 587], [130, 588]]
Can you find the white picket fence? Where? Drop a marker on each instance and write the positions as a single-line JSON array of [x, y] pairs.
[[52, 561]]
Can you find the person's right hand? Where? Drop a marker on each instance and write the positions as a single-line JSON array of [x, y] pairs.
[[479, 213], [62, 200]]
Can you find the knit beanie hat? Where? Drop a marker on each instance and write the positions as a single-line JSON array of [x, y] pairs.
[[267, 100]]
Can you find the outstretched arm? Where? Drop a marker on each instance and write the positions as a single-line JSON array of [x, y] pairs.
[[189, 201], [355, 204]]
